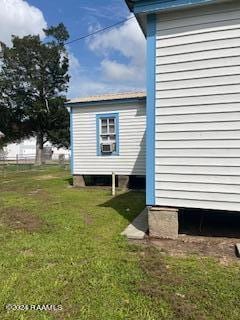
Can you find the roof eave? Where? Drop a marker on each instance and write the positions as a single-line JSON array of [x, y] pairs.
[[105, 102], [141, 8], [141, 20]]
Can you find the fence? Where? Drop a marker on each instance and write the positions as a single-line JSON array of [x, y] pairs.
[[25, 163]]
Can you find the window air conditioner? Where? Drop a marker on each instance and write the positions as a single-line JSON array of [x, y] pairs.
[[107, 147]]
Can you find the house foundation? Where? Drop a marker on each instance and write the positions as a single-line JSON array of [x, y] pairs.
[[123, 182], [163, 222], [78, 181]]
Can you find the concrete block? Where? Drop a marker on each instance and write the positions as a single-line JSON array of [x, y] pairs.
[[138, 228], [123, 182], [78, 181], [163, 222]]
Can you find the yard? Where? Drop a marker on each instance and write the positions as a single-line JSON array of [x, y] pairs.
[[62, 246]]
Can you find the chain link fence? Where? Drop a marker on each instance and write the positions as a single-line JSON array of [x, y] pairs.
[[26, 163]]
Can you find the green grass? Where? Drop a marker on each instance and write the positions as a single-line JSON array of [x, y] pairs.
[[60, 245]]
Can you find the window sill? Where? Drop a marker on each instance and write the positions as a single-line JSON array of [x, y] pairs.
[[112, 154]]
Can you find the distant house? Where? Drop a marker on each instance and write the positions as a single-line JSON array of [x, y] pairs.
[[108, 135], [193, 107], [26, 150], [1, 135]]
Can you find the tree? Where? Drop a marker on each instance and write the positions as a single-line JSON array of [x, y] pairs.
[[33, 83]]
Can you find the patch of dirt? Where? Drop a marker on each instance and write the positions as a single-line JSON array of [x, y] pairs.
[[221, 248], [34, 192], [88, 219], [27, 252], [162, 277], [40, 194], [19, 219], [206, 234], [46, 177]]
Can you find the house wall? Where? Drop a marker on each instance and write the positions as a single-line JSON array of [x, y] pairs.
[[131, 158], [27, 149], [197, 108]]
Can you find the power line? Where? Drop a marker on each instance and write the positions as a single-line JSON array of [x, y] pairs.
[[98, 31]]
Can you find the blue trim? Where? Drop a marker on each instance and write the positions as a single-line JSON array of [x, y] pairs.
[[150, 134], [103, 102], [71, 142], [146, 6], [102, 116]]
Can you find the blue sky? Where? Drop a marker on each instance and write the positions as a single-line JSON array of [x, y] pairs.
[[112, 61], [79, 16]]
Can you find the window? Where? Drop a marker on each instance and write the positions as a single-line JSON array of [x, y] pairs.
[[107, 134]]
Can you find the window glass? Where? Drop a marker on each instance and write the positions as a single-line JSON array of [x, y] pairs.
[[112, 121], [104, 129], [112, 129]]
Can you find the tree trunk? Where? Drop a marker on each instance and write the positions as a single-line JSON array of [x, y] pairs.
[[39, 160]]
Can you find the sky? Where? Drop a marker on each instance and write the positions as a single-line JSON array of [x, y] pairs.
[[111, 61]]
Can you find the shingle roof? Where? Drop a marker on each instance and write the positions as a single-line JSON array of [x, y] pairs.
[[111, 96]]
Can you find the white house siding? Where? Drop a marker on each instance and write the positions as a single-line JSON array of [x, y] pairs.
[[26, 149], [197, 159], [132, 125]]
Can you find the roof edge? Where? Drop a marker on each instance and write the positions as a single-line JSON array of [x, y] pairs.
[[146, 6], [107, 99], [142, 8], [104, 102]]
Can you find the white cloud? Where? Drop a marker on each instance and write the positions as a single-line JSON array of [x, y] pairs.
[[19, 18], [84, 82], [80, 82], [128, 41], [121, 72], [122, 66]]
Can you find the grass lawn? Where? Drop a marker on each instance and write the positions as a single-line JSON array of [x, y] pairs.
[[60, 245]]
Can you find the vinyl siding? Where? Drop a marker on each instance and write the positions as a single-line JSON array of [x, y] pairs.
[[197, 138], [132, 125]]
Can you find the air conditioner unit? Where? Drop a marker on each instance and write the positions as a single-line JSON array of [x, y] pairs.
[[107, 147]]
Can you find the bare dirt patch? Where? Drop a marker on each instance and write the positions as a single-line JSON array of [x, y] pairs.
[[162, 277], [34, 192], [88, 219], [19, 219], [206, 234], [223, 249], [46, 177], [40, 194], [27, 253]]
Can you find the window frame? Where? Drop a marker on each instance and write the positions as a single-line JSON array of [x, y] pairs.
[[99, 117]]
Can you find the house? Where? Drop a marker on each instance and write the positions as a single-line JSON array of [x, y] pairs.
[[193, 107], [26, 150], [1, 135], [108, 135]]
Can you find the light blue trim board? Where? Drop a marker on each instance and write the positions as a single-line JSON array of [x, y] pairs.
[[102, 116], [71, 141], [104, 102], [144, 6], [150, 133]]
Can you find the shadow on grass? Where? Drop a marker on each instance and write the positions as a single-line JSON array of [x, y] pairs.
[[128, 204], [69, 181]]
